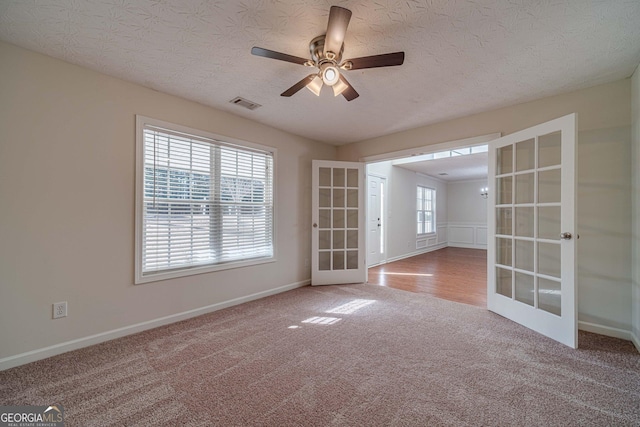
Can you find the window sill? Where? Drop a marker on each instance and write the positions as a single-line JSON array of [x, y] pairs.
[[184, 272]]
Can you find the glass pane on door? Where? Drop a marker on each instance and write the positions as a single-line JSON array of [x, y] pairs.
[[503, 282], [549, 222], [524, 288], [524, 255], [503, 249], [549, 150], [549, 186], [324, 261], [525, 188], [504, 188], [524, 222], [549, 296], [505, 160], [325, 177], [338, 177], [549, 259], [504, 221], [525, 155]]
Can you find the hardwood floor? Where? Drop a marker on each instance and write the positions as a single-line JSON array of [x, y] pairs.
[[454, 274]]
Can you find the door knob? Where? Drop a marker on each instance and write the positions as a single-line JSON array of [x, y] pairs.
[[565, 236], [315, 225]]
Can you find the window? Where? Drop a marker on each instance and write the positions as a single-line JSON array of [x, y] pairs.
[[426, 210], [202, 204]]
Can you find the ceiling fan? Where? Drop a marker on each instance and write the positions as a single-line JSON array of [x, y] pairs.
[[326, 55]]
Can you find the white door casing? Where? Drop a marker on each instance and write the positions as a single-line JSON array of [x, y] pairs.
[[375, 219], [532, 238], [338, 223]]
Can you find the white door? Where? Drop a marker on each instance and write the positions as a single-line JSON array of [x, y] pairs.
[[338, 223], [532, 229], [375, 219]]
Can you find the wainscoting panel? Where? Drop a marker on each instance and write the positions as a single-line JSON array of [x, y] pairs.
[[431, 240], [442, 233], [472, 236], [460, 234], [481, 236]]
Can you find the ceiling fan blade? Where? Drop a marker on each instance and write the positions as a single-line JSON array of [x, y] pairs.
[[336, 29], [349, 93], [258, 51], [296, 87], [384, 60]]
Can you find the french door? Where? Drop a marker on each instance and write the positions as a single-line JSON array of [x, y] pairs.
[[532, 229], [338, 223]]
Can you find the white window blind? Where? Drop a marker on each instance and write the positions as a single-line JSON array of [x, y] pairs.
[[205, 202], [426, 210]]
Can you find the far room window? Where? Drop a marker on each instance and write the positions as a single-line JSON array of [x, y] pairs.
[[426, 210], [203, 202]]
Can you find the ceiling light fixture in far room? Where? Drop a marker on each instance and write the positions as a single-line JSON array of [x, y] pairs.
[[484, 192]]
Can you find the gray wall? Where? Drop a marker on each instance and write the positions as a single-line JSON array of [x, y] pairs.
[[604, 224], [465, 205]]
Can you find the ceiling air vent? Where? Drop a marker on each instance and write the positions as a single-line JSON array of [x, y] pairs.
[[245, 103]]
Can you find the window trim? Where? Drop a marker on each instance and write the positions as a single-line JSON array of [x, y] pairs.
[[141, 122], [435, 193]]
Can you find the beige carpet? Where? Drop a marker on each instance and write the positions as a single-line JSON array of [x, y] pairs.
[[356, 355]]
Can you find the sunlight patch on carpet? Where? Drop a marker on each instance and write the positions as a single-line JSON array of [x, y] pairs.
[[319, 320], [351, 307]]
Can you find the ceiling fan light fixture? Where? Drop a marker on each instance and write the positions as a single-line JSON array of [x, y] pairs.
[[315, 85], [330, 75], [339, 87], [326, 55]]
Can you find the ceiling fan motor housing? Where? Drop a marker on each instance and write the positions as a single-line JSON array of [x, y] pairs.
[[316, 48]]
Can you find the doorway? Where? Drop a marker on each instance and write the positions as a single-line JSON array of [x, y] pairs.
[[425, 259], [376, 221]]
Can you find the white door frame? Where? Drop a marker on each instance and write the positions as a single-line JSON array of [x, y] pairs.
[[383, 215]]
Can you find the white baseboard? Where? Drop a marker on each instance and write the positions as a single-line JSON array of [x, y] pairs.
[[467, 246], [414, 253], [636, 341], [43, 353], [607, 331]]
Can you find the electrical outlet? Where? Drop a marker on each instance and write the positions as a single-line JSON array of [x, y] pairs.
[[59, 309], [306, 262]]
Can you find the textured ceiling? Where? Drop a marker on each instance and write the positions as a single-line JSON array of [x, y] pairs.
[[462, 57]]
